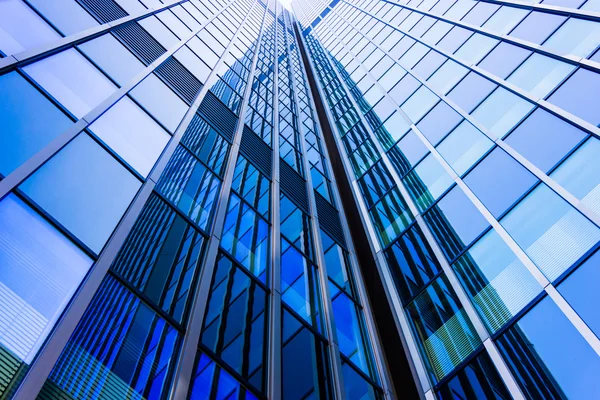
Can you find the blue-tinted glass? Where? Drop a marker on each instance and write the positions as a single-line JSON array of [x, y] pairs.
[[375, 183], [299, 284], [195, 191], [439, 122], [580, 174], [501, 111], [505, 19], [120, 344], [419, 104], [350, 332], [479, 379], [427, 182], [356, 387], [432, 61], [578, 37], [537, 26], [40, 270], [295, 226], [246, 237], [447, 76], [235, 322], [303, 363], [499, 181], [480, 13], [22, 28], [160, 101], [165, 271], [210, 381], [564, 3], [463, 147], [539, 75], [580, 289], [475, 48], [391, 216], [85, 189], [504, 59], [67, 16], [444, 333], [132, 134], [471, 91], [412, 263], [252, 185], [488, 272], [72, 80], [20, 135], [544, 139], [113, 58], [455, 222], [552, 233], [578, 95], [404, 89], [454, 39], [539, 360], [412, 148]]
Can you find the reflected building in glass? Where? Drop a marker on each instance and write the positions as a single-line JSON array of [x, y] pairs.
[[360, 199]]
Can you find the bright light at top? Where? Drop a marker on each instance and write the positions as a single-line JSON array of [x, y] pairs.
[[287, 4]]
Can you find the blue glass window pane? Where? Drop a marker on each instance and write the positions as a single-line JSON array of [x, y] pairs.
[[578, 37], [350, 332], [447, 76], [439, 122], [299, 285], [210, 381], [160, 101], [295, 226], [419, 104], [235, 322], [120, 344], [412, 148], [479, 379], [160, 257], [113, 58], [72, 80], [21, 28], [412, 263], [246, 237], [391, 216], [190, 186], [427, 182], [404, 89], [539, 361], [504, 59], [356, 387], [20, 135], [544, 139], [455, 222], [537, 26], [303, 363], [580, 289], [488, 272], [580, 174], [475, 48], [480, 13], [499, 181], [375, 183], [463, 147], [84, 189], [501, 111], [578, 95], [539, 75], [444, 333], [505, 19], [251, 184], [552, 233], [471, 91], [40, 270], [66, 15], [454, 39]]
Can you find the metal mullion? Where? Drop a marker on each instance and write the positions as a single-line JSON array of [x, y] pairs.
[[536, 272], [467, 305], [30, 55], [274, 381], [185, 367], [56, 341], [334, 353]]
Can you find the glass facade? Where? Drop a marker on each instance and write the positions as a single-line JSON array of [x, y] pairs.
[[466, 129], [208, 199]]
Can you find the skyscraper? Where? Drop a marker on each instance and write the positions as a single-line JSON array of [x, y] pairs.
[[360, 199]]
